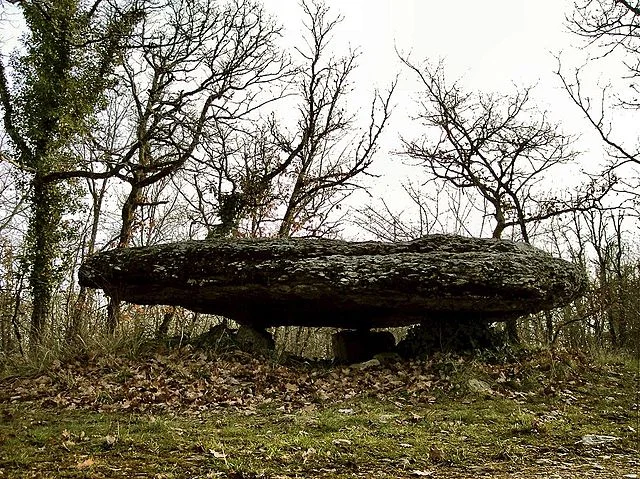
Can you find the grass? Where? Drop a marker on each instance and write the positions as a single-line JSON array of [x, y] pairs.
[[531, 422]]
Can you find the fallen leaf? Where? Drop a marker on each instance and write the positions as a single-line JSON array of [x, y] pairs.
[[217, 455], [436, 454], [479, 386], [341, 442], [307, 454], [597, 439], [372, 363], [86, 463], [415, 417]]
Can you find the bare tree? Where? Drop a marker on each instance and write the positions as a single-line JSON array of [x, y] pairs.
[[46, 105], [606, 236], [433, 207], [232, 183], [192, 62], [13, 200], [498, 146], [326, 154], [386, 223], [197, 62], [289, 179], [610, 27]]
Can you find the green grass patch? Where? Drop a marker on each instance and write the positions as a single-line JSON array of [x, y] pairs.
[[534, 416]]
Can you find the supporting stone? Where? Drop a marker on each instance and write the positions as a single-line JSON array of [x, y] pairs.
[[255, 340], [361, 345], [448, 335]]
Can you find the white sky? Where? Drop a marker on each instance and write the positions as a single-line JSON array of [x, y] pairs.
[[491, 42], [488, 45]]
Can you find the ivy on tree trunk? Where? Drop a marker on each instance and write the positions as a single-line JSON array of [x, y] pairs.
[[49, 97]]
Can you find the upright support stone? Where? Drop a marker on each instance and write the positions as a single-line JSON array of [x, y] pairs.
[[361, 345], [449, 334], [257, 341]]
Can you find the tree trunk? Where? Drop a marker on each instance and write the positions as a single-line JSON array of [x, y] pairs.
[[550, 330], [80, 308], [286, 226], [499, 217], [126, 233], [129, 215], [163, 330], [43, 230], [512, 331], [113, 314], [293, 207], [78, 313]]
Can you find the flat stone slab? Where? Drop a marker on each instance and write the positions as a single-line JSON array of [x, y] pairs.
[[320, 282]]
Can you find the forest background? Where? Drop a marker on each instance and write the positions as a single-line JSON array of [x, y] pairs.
[[130, 123]]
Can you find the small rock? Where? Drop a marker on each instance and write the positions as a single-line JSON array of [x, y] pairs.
[[361, 345], [342, 442], [597, 440], [255, 341], [479, 386], [436, 454], [372, 363], [422, 473], [388, 358]]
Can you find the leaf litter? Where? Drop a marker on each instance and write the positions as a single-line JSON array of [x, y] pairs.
[[193, 383], [548, 394]]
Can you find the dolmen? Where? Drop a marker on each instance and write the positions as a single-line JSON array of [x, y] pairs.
[[262, 283]]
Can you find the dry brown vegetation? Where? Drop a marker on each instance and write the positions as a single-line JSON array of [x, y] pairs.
[[186, 413]]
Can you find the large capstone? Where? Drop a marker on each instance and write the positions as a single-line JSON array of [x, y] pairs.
[[355, 285]]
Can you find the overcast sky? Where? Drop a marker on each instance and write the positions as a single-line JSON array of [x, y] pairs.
[[491, 42], [488, 45]]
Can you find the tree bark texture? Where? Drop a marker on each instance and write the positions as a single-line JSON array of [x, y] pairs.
[[44, 234]]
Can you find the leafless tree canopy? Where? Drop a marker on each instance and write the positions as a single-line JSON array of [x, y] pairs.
[[193, 63], [609, 26], [287, 178], [498, 145]]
